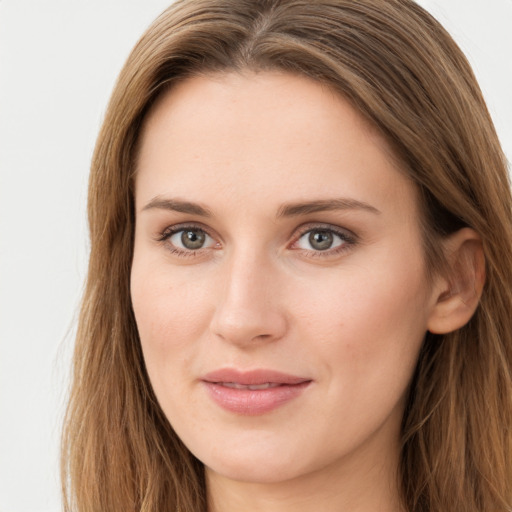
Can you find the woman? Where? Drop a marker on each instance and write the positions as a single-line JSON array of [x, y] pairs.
[[299, 289]]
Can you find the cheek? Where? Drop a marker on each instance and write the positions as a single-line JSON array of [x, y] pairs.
[[368, 321], [171, 313]]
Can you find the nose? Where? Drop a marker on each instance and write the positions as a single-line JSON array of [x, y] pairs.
[[249, 308]]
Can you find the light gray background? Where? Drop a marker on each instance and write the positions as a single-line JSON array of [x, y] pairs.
[[58, 63]]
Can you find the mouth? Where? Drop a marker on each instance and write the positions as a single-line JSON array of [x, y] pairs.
[[254, 387], [255, 392]]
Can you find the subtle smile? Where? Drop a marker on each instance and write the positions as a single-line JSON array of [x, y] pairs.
[[252, 393]]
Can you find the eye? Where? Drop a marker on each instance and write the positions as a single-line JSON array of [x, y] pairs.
[[323, 239], [192, 239], [184, 239]]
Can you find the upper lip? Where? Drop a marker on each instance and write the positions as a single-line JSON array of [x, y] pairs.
[[252, 377]]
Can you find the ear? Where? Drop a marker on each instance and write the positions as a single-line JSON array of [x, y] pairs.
[[458, 291]]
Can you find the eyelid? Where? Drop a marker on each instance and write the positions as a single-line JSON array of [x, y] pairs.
[[165, 235], [323, 226], [349, 238], [183, 226]]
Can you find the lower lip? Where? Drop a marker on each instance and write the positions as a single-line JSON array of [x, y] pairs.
[[251, 402]]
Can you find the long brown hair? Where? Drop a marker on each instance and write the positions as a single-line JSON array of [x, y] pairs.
[[405, 74]]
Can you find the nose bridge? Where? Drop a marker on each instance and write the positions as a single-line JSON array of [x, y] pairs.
[[249, 306]]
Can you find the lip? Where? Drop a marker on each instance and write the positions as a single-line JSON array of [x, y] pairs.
[[229, 389]]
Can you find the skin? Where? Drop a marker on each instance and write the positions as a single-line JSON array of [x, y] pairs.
[[351, 318]]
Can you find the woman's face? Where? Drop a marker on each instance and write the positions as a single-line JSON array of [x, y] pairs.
[[278, 280]]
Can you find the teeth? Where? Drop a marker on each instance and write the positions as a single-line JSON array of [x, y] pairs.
[[235, 385]]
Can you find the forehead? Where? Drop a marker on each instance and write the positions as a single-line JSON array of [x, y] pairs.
[[244, 135], [254, 99]]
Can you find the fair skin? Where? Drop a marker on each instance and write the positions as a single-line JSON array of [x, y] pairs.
[[275, 232]]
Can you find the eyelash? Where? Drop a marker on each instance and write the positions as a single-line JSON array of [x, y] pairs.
[[168, 232], [348, 239]]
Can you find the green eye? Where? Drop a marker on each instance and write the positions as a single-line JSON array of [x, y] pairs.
[[191, 239], [321, 239]]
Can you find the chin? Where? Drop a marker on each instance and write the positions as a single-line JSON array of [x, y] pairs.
[[251, 471], [259, 463]]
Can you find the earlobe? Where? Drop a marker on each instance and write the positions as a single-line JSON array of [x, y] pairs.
[[459, 292]]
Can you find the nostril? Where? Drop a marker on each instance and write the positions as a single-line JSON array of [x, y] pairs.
[[248, 327], [262, 336], [249, 307]]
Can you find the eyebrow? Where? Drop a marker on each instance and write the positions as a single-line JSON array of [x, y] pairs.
[[295, 209], [286, 210], [177, 205]]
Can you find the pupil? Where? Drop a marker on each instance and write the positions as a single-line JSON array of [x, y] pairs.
[[321, 240], [192, 239]]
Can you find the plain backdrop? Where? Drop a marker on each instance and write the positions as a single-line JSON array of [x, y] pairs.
[[58, 63]]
